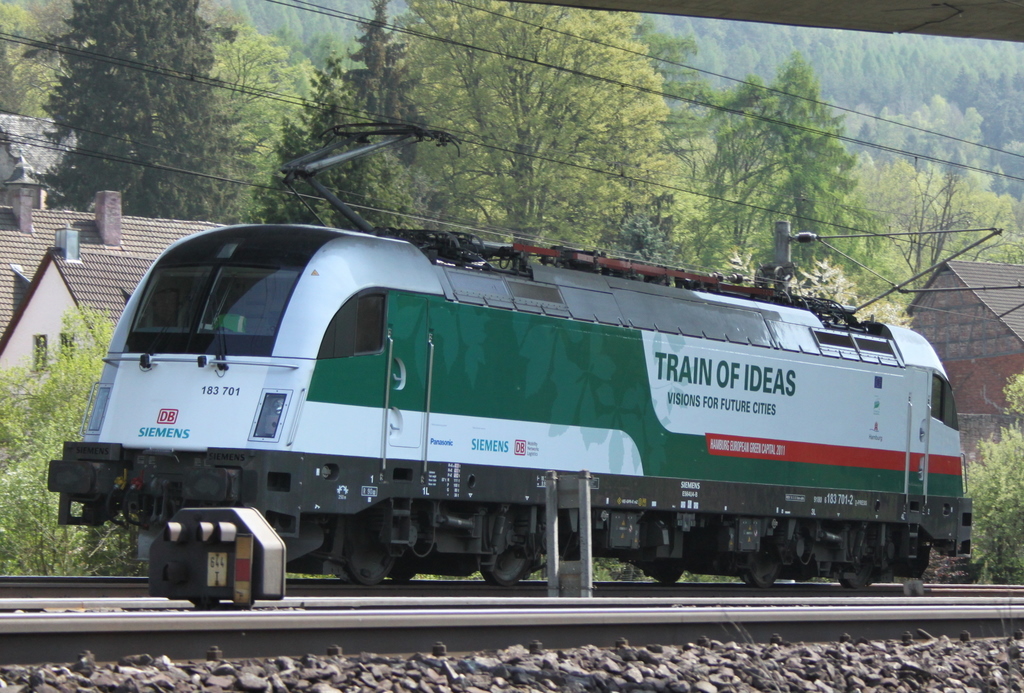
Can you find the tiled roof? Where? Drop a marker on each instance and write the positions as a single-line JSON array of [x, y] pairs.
[[141, 239], [103, 279], [984, 277]]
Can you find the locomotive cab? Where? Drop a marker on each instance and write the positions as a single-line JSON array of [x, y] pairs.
[[217, 350]]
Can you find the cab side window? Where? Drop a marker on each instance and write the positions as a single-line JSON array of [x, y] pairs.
[[357, 328], [943, 405]]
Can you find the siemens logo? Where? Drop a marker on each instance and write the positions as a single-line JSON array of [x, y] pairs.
[[485, 445], [446, 443], [223, 456], [85, 450], [164, 432]]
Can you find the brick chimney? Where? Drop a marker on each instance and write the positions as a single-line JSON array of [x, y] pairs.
[[25, 193], [108, 216], [22, 203]]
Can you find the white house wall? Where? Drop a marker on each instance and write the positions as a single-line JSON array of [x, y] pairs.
[[42, 315]]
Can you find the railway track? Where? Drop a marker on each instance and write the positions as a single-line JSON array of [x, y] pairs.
[[45, 637], [112, 627], [33, 587], [97, 596]]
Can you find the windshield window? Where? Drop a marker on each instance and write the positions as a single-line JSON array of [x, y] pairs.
[[247, 300], [224, 292], [170, 298], [237, 313]]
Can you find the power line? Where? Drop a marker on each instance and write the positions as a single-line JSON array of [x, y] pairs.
[[218, 83], [193, 77], [737, 80], [319, 9], [493, 231], [45, 143], [295, 101]]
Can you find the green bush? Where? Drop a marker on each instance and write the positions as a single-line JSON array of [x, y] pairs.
[[39, 410]]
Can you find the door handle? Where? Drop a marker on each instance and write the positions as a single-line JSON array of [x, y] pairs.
[[399, 376]]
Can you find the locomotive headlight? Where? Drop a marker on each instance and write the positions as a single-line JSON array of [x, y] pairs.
[[271, 413]]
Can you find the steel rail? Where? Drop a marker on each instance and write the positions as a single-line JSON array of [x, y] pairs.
[[409, 604], [42, 638], [85, 587]]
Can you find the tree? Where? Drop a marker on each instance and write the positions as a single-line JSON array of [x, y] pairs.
[[382, 87], [928, 198], [266, 89], [24, 81], [39, 410], [826, 279], [134, 123], [379, 180], [553, 127], [640, 235], [781, 155], [997, 487]]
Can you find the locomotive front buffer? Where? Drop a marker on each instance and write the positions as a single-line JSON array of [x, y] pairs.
[[211, 555]]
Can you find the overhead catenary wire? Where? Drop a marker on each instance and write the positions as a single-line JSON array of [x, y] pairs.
[[440, 220], [297, 101], [574, 164], [302, 4], [737, 80], [313, 7], [305, 4]]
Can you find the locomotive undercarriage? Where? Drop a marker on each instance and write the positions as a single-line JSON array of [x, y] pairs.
[[855, 554], [366, 520], [400, 538]]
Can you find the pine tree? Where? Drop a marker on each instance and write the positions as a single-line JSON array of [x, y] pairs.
[[381, 87], [378, 180], [782, 155], [133, 120]]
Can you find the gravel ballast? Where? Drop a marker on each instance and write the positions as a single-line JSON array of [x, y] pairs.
[[940, 665]]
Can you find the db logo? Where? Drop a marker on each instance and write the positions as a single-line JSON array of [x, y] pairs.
[[167, 416], [520, 447]]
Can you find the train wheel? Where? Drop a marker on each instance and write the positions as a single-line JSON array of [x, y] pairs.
[[663, 572], [859, 576], [367, 560], [510, 566], [762, 570]]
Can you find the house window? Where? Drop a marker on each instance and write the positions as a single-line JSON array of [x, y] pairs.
[[39, 352], [67, 342]]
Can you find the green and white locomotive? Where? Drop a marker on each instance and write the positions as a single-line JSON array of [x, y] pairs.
[[390, 410]]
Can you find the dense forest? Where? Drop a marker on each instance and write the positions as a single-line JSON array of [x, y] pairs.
[[927, 81]]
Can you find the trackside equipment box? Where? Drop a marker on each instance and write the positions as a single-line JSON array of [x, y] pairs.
[[210, 555]]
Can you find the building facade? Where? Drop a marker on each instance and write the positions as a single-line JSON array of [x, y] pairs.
[[973, 314]]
